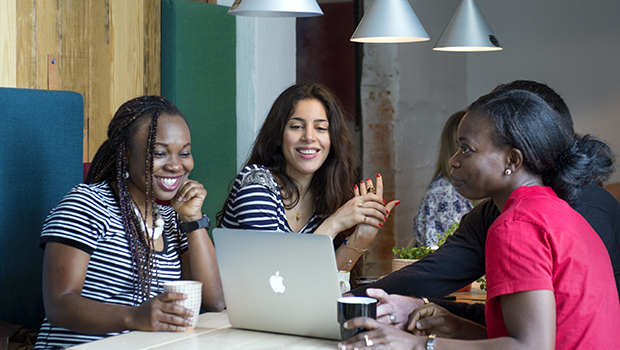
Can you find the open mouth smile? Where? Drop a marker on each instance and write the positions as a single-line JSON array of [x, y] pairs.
[[169, 183], [307, 153]]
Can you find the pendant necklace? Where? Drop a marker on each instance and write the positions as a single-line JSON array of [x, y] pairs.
[[159, 222]]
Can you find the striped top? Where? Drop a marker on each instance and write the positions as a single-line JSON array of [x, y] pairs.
[[255, 202], [89, 218]]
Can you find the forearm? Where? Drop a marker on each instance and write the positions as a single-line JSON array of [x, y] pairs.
[[83, 315], [202, 261]]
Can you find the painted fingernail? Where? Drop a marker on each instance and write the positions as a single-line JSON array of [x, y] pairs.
[[356, 187], [381, 225], [384, 201], [397, 203], [387, 211], [378, 175], [385, 217], [368, 179]]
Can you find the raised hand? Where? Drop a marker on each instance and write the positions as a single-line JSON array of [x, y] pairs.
[[188, 201]]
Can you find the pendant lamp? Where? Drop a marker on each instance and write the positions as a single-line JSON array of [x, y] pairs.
[[389, 21], [467, 31], [275, 8]]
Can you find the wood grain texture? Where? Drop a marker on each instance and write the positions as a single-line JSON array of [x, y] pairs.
[[8, 42], [26, 69], [48, 37], [127, 57], [152, 47], [107, 50], [99, 113]]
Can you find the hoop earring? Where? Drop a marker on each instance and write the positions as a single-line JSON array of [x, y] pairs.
[[507, 172]]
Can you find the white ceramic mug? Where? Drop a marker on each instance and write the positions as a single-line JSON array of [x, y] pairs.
[[193, 290], [345, 284]]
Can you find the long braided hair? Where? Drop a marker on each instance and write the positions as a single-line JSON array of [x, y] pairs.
[[110, 164]]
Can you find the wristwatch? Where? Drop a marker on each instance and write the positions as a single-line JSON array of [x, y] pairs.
[[190, 226], [430, 342]]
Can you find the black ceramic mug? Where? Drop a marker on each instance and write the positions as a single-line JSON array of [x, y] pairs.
[[352, 307]]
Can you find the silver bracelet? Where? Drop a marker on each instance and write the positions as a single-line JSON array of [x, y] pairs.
[[430, 342]]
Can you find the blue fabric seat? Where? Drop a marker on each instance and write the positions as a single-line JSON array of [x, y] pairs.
[[40, 160]]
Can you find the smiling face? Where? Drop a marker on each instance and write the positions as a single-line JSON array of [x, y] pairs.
[[305, 141], [172, 158], [478, 165]]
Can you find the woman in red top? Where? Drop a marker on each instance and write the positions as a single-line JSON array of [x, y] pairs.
[[550, 280]]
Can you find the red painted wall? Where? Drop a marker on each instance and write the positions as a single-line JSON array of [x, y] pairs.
[[325, 54]]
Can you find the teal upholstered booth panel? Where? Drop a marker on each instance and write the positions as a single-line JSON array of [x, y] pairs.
[[40, 160], [199, 76]]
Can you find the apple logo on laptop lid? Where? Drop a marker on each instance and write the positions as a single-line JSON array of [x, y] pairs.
[[276, 282]]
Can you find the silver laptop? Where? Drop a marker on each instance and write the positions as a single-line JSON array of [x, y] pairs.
[[279, 282]]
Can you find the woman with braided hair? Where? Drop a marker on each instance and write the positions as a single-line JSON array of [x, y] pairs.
[[109, 247]]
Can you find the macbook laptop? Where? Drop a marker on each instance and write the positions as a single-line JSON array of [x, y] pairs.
[[279, 282]]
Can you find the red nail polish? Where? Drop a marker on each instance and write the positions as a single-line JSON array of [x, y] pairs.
[[380, 225], [378, 175], [385, 217], [368, 179], [386, 209], [384, 201], [356, 187], [397, 203]]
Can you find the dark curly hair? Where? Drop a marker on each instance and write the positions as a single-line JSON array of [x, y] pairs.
[[110, 165]]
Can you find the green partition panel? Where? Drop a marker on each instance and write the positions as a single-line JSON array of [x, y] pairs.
[[199, 76]]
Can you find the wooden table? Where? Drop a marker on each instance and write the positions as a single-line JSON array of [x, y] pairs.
[[212, 332], [476, 295]]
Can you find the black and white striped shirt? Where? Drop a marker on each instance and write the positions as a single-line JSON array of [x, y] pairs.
[[256, 203], [89, 218]]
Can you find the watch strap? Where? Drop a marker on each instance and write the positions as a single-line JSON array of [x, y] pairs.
[[430, 342], [190, 226]]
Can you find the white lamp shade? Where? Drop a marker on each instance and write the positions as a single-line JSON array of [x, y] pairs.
[[275, 8], [389, 21], [467, 31]]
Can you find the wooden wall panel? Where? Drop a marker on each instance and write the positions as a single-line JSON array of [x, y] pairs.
[[8, 43], [127, 59], [152, 47], [48, 36], [26, 76], [99, 112], [108, 50]]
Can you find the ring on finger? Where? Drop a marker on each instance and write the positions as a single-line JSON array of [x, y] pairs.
[[371, 190], [368, 341], [360, 204], [392, 319]]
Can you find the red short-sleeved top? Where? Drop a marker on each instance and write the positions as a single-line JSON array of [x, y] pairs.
[[540, 243]]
